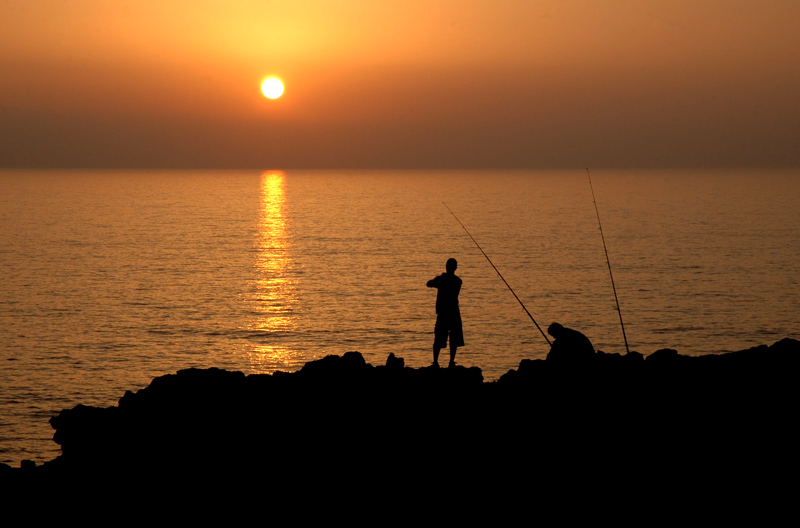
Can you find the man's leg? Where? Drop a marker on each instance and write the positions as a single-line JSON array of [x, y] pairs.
[[436, 350], [453, 355]]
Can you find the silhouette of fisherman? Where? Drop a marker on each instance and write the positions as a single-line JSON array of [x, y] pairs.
[[448, 316], [569, 346]]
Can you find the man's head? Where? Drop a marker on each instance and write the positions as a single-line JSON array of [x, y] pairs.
[[451, 265], [555, 330]]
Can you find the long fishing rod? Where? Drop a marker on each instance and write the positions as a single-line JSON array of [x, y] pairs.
[[498, 273], [613, 287]]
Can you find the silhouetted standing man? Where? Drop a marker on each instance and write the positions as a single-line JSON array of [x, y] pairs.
[[448, 316]]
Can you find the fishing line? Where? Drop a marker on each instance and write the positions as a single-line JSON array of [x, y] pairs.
[[498, 273], [613, 287]]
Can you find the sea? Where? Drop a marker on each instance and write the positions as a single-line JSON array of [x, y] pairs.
[[113, 278]]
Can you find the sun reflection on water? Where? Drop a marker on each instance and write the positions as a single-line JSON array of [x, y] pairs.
[[274, 298]]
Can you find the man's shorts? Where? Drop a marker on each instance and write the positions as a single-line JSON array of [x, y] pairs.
[[448, 324]]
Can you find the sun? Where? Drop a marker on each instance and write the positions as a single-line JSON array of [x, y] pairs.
[[272, 88]]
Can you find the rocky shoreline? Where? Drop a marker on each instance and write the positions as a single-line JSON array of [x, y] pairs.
[[341, 420]]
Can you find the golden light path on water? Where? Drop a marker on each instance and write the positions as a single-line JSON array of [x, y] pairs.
[[275, 291]]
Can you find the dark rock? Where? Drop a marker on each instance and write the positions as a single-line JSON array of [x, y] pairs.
[[633, 356], [348, 364], [664, 354], [334, 421], [604, 356], [395, 362]]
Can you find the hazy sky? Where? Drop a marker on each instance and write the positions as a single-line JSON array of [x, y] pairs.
[[409, 84]]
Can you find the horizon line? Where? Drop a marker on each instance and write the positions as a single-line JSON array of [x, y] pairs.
[[391, 168]]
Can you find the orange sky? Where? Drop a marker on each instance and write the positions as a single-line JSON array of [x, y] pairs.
[[417, 84]]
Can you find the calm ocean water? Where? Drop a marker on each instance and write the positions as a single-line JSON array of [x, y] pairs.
[[110, 279]]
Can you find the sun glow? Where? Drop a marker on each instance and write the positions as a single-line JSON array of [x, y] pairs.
[[272, 88], [273, 301]]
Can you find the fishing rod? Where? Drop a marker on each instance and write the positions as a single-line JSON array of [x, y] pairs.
[[498, 273], [613, 287]]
